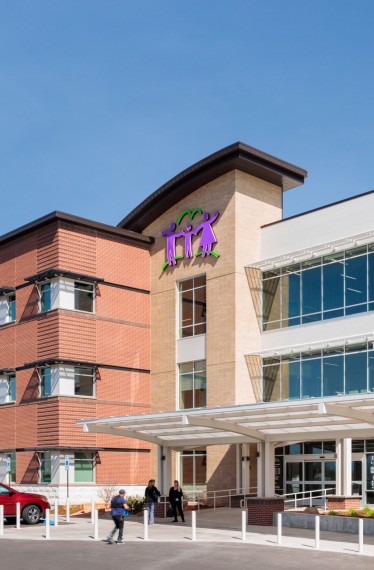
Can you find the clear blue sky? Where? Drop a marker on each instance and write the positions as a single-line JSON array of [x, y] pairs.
[[101, 102]]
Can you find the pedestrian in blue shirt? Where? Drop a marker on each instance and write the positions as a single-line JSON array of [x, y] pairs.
[[118, 506]]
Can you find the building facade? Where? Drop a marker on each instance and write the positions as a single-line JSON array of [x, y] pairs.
[[234, 347], [74, 334]]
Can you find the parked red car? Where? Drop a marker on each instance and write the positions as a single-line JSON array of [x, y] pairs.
[[33, 506]]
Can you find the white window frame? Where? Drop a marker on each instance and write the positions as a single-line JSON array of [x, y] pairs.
[[93, 460], [6, 378], [40, 371], [194, 373], [180, 326], [76, 368], [40, 294], [93, 285], [5, 297]]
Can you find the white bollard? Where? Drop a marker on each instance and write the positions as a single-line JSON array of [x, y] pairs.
[[317, 531], [92, 511], [18, 515], [145, 524], [279, 528], [56, 512], [244, 525], [193, 525], [96, 527], [1, 520], [67, 510], [361, 536], [47, 524]]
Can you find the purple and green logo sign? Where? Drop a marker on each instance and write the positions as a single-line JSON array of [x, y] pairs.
[[183, 229]]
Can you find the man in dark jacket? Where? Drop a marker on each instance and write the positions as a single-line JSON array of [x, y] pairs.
[[175, 499], [118, 506]]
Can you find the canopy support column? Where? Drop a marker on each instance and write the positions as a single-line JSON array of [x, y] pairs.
[[269, 475], [347, 466], [245, 465], [164, 469], [261, 469]]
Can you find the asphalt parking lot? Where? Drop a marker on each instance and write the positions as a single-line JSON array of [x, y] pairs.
[[72, 555]]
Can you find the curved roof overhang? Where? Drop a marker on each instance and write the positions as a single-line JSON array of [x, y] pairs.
[[275, 422], [238, 156]]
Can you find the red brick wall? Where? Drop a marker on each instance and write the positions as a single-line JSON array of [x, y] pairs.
[[336, 503], [260, 510], [117, 467], [118, 334]]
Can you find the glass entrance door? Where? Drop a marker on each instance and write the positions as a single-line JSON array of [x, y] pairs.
[[309, 475]]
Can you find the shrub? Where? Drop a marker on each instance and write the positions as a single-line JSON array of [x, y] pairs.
[[333, 513], [106, 493], [353, 513], [135, 503], [368, 511]]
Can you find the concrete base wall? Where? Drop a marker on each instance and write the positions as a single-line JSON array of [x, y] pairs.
[[327, 522]]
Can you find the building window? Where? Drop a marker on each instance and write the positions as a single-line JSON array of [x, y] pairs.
[[7, 308], [11, 308], [83, 297], [45, 467], [192, 385], [12, 388], [84, 381], [45, 376], [12, 467], [45, 301], [329, 372], [84, 463], [319, 289], [192, 306], [8, 388], [193, 467]]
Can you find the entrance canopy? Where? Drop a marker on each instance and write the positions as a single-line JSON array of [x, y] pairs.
[[275, 422]]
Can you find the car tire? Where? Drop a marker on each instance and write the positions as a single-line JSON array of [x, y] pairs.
[[31, 514]]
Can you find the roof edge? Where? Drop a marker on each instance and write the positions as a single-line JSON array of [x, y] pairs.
[[77, 220], [238, 155]]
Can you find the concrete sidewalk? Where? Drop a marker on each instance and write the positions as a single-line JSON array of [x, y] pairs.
[[221, 526]]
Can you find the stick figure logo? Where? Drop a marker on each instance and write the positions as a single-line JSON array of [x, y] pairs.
[[203, 229]]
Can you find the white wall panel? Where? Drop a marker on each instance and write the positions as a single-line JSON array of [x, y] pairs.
[[191, 349], [322, 226], [343, 327]]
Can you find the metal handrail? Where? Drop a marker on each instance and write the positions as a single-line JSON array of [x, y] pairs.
[[309, 496], [214, 495]]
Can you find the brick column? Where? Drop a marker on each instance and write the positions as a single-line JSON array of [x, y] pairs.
[[261, 509]]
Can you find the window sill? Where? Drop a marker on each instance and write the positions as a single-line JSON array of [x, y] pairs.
[[12, 403], [8, 323]]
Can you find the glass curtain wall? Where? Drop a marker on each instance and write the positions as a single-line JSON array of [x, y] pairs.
[[319, 289], [328, 372]]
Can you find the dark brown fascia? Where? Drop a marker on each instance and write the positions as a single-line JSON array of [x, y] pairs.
[[237, 156], [52, 272], [56, 216]]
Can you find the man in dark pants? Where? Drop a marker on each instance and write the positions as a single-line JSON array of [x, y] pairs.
[[118, 506]]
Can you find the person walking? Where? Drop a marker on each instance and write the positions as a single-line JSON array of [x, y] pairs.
[[152, 495], [175, 499], [118, 506]]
